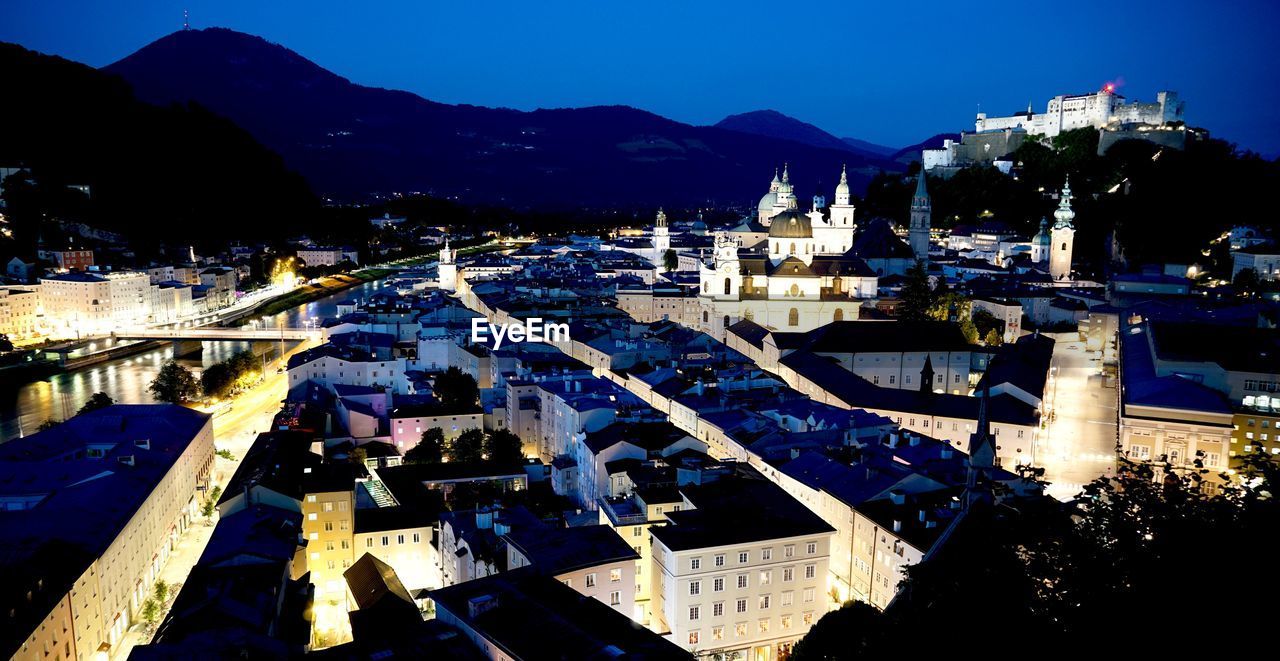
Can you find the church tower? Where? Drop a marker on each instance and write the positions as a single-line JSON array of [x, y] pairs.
[[1040, 243], [842, 210], [921, 213], [982, 457], [786, 193], [448, 268], [1062, 236], [661, 239]]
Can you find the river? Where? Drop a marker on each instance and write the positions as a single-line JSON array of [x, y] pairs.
[[25, 406]]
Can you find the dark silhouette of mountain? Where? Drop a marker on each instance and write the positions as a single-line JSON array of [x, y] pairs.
[[350, 140], [774, 124], [912, 152], [155, 173], [870, 147]]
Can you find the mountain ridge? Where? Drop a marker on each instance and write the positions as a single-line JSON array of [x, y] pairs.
[[351, 140]]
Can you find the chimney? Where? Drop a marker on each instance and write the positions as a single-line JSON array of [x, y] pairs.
[[923, 515], [897, 497], [897, 525], [484, 518], [915, 440]]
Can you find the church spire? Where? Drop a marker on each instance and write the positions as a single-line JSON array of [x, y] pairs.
[[1064, 213], [982, 455], [927, 374], [921, 198]]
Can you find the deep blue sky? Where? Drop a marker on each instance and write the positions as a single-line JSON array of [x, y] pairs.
[[889, 72]]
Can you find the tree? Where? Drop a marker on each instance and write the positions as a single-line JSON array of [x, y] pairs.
[[99, 400], [468, 447], [917, 295], [212, 503], [988, 326], [150, 611], [456, 390], [216, 380], [161, 591], [504, 446], [1246, 282], [47, 425], [429, 450], [6, 345], [670, 260], [174, 384], [840, 634]]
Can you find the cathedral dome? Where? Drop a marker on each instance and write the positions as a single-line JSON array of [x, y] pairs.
[[791, 225], [767, 202]]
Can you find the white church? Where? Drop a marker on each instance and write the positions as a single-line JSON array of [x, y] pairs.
[[796, 270]]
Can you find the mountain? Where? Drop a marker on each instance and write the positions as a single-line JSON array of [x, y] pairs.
[[350, 140], [912, 153], [870, 147], [774, 124], [154, 173]]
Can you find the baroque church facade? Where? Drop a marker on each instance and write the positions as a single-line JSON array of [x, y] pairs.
[[795, 270]]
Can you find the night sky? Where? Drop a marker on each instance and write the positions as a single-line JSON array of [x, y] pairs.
[[888, 72]]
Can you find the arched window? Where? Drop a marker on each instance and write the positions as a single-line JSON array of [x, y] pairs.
[[793, 247], [705, 317], [835, 285], [728, 286], [726, 321], [795, 290], [1064, 246], [793, 317], [706, 287], [838, 315]]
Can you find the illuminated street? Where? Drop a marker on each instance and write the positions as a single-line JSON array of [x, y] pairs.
[[1078, 444]]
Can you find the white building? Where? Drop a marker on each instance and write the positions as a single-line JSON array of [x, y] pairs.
[[806, 277], [741, 568], [1097, 110], [19, 308], [1062, 237], [95, 304]]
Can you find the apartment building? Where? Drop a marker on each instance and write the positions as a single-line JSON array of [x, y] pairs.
[[740, 569], [90, 511], [19, 311]]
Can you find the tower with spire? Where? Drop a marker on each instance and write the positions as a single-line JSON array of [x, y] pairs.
[[921, 219], [926, 375], [661, 239], [786, 194], [1062, 236], [842, 210], [982, 457], [448, 268]]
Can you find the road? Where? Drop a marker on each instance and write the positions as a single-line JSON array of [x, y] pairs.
[[1078, 444], [234, 430]]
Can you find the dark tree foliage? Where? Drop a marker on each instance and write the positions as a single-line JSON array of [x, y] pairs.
[[917, 295], [457, 391], [174, 384], [468, 447], [216, 380], [177, 172], [1128, 556], [99, 400], [1161, 204], [504, 447], [429, 450]]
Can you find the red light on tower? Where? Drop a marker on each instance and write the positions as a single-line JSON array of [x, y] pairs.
[[1109, 87]]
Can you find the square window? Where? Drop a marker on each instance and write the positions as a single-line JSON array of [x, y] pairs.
[[615, 575], [741, 606]]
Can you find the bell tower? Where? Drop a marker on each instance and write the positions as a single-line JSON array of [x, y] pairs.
[[1062, 237], [921, 215]]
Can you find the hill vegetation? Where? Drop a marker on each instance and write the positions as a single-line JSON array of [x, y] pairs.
[[178, 172]]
